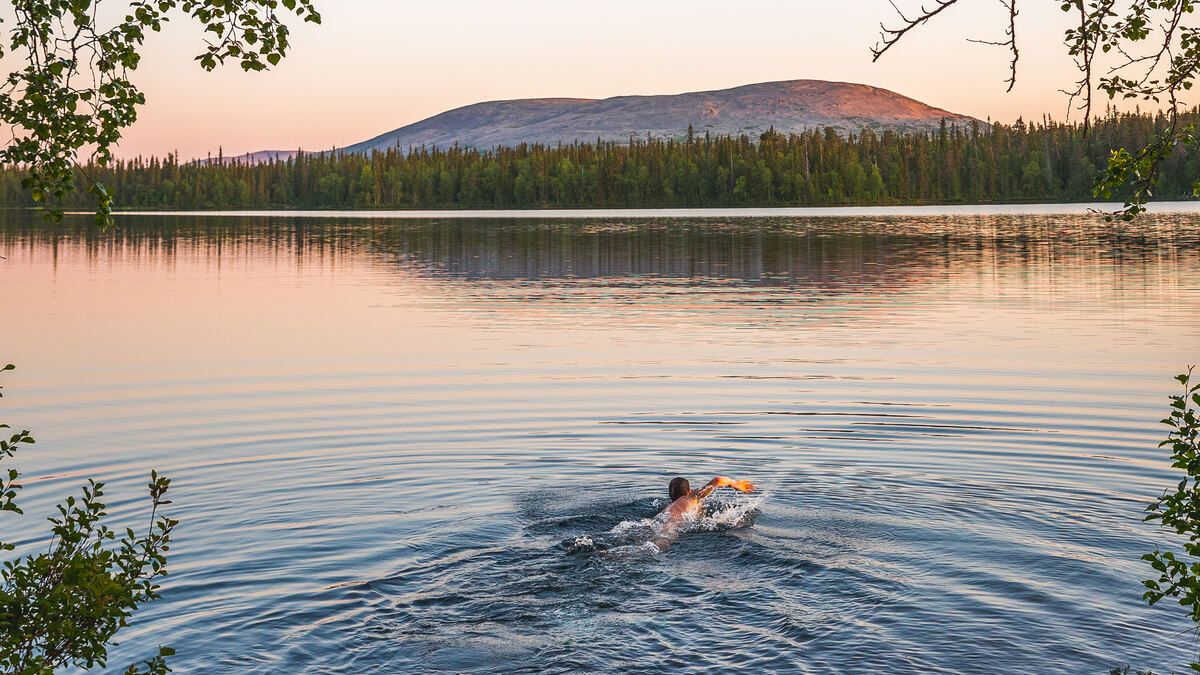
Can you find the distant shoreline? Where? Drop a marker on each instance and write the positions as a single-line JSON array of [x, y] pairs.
[[1032, 209], [1017, 164]]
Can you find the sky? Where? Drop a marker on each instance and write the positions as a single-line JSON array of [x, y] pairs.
[[376, 65]]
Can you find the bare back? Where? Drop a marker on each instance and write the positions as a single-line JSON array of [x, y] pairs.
[[688, 505]]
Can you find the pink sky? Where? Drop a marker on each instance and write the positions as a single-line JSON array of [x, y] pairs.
[[375, 65]]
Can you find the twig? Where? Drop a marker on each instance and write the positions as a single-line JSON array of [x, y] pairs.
[[888, 37]]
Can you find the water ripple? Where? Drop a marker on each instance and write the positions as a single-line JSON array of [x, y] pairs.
[[439, 446]]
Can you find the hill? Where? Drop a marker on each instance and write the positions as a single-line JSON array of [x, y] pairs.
[[789, 106]]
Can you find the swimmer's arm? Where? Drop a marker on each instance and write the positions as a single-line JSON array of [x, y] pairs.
[[722, 481]]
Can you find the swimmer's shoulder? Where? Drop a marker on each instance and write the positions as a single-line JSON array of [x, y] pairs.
[[682, 506]]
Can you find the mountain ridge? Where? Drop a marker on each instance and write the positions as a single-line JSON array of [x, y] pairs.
[[788, 106]]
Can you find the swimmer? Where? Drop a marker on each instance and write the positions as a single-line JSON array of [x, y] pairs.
[[685, 502], [684, 509]]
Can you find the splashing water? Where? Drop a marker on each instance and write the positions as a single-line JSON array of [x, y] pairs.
[[651, 536], [726, 512]]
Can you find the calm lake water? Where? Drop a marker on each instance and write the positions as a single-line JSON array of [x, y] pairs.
[[429, 445]]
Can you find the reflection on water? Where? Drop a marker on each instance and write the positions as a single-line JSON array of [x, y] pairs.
[[415, 445], [822, 252]]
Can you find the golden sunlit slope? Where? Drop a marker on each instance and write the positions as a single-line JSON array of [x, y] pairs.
[[789, 106]]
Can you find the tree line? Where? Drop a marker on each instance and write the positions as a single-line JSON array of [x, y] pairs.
[[1046, 161]]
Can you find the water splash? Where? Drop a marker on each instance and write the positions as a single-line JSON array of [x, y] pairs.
[[637, 537]]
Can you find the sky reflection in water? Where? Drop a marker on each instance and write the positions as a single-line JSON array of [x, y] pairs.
[[385, 435]]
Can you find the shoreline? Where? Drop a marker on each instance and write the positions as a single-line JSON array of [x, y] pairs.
[[1030, 209]]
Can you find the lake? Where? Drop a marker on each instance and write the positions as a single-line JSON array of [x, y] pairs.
[[431, 444]]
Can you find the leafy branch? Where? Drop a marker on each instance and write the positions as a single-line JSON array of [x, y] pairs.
[[1159, 74], [63, 607], [1179, 509], [74, 90]]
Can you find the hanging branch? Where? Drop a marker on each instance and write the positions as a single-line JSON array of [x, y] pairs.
[[890, 36], [1009, 43], [1082, 44], [1161, 76], [54, 113]]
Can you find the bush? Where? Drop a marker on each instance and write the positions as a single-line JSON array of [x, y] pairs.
[[1179, 509], [63, 607]]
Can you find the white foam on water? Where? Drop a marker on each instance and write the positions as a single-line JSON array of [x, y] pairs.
[[646, 548], [725, 514], [658, 533], [626, 527]]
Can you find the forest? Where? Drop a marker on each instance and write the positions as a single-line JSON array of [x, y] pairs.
[[1021, 162]]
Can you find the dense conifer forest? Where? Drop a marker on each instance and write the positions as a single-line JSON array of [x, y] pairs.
[[1047, 161]]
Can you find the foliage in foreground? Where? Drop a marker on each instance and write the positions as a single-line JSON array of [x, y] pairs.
[[63, 607], [1142, 50], [1179, 509], [74, 90]]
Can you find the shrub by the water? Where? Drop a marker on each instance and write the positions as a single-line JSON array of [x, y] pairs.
[[1179, 508], [63, 607]]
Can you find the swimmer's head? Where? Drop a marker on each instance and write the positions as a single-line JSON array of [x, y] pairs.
[[679, 488]]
